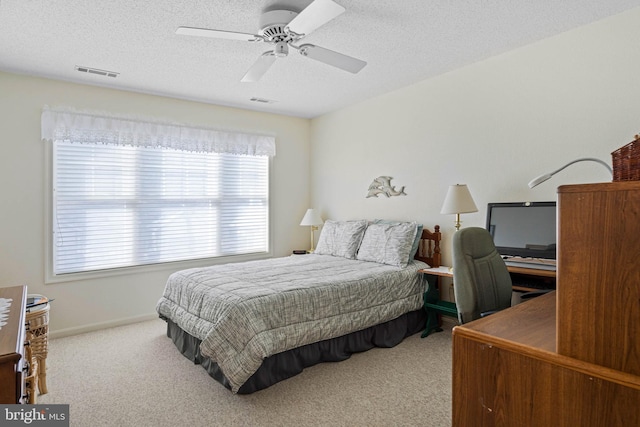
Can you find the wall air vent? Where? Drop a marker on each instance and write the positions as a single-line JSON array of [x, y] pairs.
[[97, 71], [262, 100]]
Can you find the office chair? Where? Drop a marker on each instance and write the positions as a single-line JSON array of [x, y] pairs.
[[481, 283]]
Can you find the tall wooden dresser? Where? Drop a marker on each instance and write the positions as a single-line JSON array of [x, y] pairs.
[[572, 357], [13, 301]]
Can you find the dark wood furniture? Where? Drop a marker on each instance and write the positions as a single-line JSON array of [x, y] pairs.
[[531, 279], [571, 357], [507, 372], [429, 247], [12, 336], [599, 262]]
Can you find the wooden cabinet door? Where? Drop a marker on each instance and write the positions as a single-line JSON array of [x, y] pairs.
[[598, 277]]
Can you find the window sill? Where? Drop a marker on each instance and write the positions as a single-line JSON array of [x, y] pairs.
[[167, 266]]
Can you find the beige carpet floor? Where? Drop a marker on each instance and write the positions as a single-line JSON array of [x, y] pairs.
[[134, 376]]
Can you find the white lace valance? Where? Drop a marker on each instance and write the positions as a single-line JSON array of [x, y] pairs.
[[89, 128]]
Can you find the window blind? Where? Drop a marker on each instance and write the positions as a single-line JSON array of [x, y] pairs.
[[122, 205]]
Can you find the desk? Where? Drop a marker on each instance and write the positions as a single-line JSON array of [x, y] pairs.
[[571, 357], [445, 271], [435, 306], [507, 372]]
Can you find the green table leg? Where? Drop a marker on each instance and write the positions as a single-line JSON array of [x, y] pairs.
[[434, 306], [431, 295]]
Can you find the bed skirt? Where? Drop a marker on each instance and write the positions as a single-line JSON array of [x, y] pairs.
[[292, 362]]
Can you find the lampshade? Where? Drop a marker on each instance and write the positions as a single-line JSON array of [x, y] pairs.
[[546, 176], [458, 200], [312, 217]]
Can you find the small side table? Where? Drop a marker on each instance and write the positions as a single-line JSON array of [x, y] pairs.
[[433, 304], [37, 319]]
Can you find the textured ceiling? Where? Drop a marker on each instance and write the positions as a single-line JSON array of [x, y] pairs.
[[403, 42]]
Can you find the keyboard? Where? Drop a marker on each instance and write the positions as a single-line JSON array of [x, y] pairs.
[[535, 263]]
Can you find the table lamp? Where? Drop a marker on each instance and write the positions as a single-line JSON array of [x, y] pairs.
[[458, 201], [312, 219]]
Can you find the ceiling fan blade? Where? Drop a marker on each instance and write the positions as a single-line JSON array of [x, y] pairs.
[[257, 70], [330, 57], [218, 34], [315, 15]]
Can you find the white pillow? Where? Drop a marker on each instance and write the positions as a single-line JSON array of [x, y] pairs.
[[416, 241], [341, 238], [388, 243]]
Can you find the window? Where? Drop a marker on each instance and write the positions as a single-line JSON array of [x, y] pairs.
[[123, 198]]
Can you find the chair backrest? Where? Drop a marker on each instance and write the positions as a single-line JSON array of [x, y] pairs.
[[481, 282]]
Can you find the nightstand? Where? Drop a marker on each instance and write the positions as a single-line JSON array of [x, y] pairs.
[[434, 305]]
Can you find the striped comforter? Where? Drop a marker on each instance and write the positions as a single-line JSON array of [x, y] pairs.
[[245, 312]]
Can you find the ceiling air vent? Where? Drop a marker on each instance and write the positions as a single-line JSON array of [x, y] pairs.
[[262, 100], [97, 71]]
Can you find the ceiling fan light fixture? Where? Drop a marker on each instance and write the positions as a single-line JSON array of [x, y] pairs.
[[281, 50]]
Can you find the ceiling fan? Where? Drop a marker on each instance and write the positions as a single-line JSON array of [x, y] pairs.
[[283, 28]]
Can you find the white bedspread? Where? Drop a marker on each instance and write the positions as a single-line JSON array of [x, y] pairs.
[[245, 312]]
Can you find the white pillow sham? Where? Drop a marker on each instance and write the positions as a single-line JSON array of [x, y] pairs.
[[416, 241], [341, 238], [388, 243]]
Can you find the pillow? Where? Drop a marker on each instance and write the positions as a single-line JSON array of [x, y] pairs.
[[416, 241], [341, 238], [388, 243]]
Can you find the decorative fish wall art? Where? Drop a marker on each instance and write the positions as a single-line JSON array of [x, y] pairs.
[[382, 185]]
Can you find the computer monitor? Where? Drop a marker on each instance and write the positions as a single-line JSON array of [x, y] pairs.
[[523, 229]]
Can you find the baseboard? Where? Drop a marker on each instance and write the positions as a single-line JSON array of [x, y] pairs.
[[102, 325], [447, 323]]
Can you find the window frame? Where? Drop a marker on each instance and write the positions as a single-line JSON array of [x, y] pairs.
[[168, 266]]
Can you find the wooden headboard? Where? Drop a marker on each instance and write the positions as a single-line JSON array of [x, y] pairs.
[[429, 247]]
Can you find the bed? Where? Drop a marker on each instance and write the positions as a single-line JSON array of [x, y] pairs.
[[253, 324]]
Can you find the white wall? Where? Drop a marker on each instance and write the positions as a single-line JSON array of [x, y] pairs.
[[493, 125], [88, 304]]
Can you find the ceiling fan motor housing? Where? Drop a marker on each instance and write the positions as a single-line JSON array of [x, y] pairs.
[[273, 23]]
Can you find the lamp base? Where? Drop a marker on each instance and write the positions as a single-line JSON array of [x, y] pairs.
[[313, 227]]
